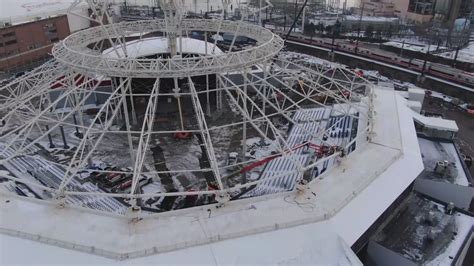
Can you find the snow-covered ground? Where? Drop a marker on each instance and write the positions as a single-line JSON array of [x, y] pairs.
[[465, 54], [416, 47]]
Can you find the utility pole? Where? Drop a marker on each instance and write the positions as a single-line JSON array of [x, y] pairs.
[[333, 39], [456, 55], [422, 77], [303, 19], [403, 46], [356, 50], [331, 54], [296, 8]]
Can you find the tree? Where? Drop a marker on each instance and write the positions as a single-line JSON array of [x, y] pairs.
[[389, 31], [328, 28], [310, 29], [320, 28], [378, 33], [369, 31], [337, 28]]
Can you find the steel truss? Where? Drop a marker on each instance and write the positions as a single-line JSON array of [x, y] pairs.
[[53, 103]]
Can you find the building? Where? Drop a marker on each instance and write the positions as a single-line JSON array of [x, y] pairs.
[[415, 11], [31, 41], [376, 8], [422, 11], [29, 30]]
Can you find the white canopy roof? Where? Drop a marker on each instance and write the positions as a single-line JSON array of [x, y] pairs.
[[159, 45], [436, 122]]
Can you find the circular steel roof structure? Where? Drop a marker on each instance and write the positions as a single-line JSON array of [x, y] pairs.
[[148, 135], [75, 51]]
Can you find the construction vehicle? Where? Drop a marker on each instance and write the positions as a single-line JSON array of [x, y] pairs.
[[320, 151]]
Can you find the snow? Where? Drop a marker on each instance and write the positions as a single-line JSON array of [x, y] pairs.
[[416, 47], [293, 246], [461, 178], [4, 173], [441, 96], [464, 224], [243, 223], [217, 37], [375, 62], [465, 54], [33, 166], [302, 58], [159, 45], [439, 151], [371, 18], [436, 122], [20, 11], [355, 218]]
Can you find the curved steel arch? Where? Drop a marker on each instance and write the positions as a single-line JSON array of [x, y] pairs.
[[74, 50]]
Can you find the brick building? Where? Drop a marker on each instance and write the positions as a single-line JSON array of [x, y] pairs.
[[30, 41]]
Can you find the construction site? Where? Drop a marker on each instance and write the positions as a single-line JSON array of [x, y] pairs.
[[144, 139], [155, 128]]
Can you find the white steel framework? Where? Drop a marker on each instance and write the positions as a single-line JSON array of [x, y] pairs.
[[177, 131]]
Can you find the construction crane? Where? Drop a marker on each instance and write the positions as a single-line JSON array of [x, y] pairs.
[[320, 150]]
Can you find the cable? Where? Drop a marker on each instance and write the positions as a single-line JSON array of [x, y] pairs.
[[306, 207]]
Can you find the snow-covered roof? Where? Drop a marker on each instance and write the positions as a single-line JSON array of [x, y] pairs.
[[465, 54], [416, 90], [339, 206], [293, 246], [159, 45], [436, 122], [371, 18], [19, 11]]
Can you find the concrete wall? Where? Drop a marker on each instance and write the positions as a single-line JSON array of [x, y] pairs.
[[461, 196], [380, 255]]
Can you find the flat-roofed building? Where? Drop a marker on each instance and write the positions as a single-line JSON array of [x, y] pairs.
[[28, 30], [28, 42]]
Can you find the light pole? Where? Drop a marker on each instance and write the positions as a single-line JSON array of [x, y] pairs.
[[403, 46]]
